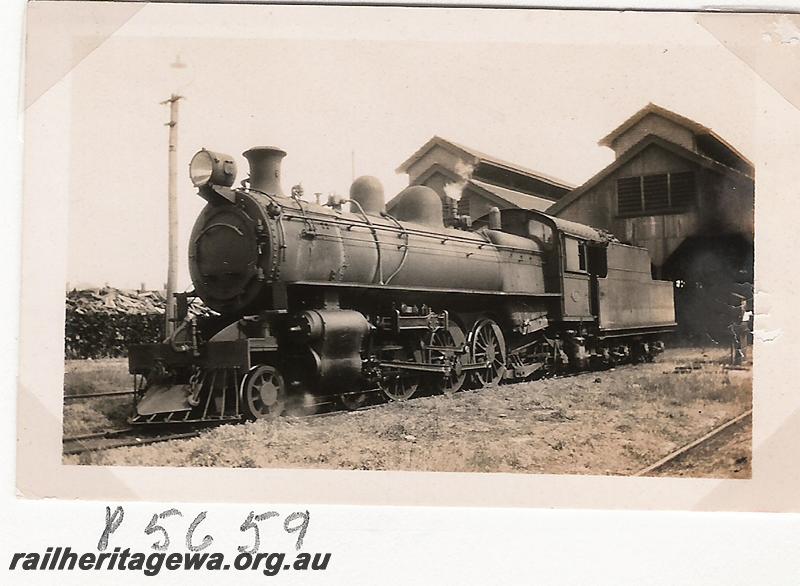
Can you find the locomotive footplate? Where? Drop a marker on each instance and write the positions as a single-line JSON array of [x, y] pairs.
[[142, 358], [182, 385]]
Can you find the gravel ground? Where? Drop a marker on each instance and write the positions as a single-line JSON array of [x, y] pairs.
[[609, 422]]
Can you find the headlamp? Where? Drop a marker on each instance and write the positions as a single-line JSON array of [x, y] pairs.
[[212, 169]]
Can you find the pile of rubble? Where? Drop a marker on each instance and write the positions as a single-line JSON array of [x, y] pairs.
[[102, 323]]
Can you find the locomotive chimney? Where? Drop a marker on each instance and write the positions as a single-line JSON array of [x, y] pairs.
[[265, 169]]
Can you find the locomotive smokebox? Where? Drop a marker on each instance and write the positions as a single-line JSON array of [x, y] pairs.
[[367, 191], [265, 168]]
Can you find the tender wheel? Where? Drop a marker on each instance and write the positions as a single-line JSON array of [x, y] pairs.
[[263, 393], [488, 346], [452, 337]]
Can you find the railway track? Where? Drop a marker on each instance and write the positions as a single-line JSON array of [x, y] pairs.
[[681, 452], [118, 438]]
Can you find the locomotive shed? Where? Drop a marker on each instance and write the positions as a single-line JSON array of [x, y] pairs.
[[612, 422]]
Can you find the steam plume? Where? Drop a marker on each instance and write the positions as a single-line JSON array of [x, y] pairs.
[[464, 171]]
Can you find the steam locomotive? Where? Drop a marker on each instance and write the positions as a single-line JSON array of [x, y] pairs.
[[344, 300]]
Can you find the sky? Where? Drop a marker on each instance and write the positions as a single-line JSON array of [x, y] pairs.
[[538, 88]]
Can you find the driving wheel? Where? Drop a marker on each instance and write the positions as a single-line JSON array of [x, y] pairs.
[[446, 344], [488, 347]]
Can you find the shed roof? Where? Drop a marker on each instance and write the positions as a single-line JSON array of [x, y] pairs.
[[478, 157], [516, 198], [650, 139], [694, 127]]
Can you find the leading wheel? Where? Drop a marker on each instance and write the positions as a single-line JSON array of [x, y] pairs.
[[446, 344], [488, 347], [263, 393]]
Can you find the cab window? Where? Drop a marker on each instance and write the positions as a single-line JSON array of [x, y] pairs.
[[574, 255]]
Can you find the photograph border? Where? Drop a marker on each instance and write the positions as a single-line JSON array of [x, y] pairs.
[[776, 421]]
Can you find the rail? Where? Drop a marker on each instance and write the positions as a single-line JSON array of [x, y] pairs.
[[94, 442], [692, 445], [75, 396]]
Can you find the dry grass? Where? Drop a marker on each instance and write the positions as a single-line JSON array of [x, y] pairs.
[[611, 422], [709, 384], [96, 376]]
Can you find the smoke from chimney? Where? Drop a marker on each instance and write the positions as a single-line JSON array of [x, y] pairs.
[[455, 190]]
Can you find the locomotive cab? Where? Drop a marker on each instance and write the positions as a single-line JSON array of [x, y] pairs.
[[589, 268]]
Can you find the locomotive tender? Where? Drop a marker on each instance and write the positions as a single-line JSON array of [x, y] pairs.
[[315, 300]]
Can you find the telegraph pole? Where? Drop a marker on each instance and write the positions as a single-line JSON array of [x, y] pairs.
[[172, 265]]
